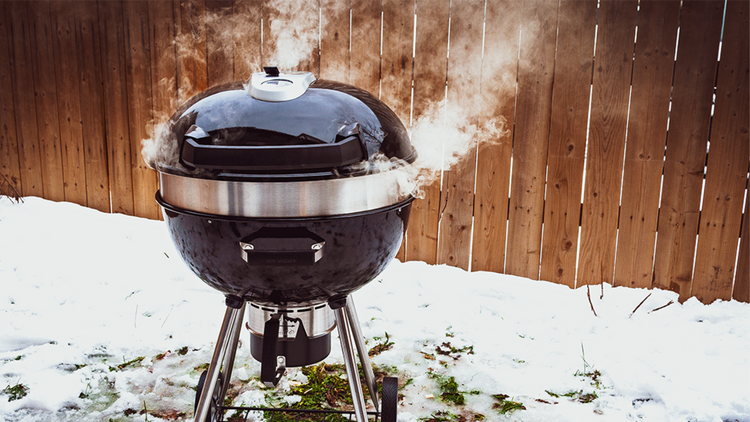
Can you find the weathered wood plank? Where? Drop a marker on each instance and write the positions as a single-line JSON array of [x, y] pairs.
[[397, 63], [334, 40], [114, 68], [9, 167], [694, 77], [567, 140], [728, 161], [499, 81], [192, 76], [45, 94], [430, 73], [161, 18], [464, 69], [91, 95], [647, 134], [611, 87], [530, 142], [219, 42], [247, 39], [22, 64], [140, 119], [69, 102], [364, 64]]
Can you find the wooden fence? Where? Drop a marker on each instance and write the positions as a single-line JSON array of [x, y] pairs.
[[626, 159]]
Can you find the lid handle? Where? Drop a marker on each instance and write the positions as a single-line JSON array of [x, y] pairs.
[[197, 153]]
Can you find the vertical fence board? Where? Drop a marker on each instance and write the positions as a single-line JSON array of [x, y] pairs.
[[9, 168], [464, 70], [334, 40], [694, 77], [69, 102], [163, 61], [647, 132], [364, 65], [567, 140], [162, 29], [499, 80], [530, 141], [741, 290], [22, 56], [396, 68], [727, 166], [396, 62], [606, 146], [219, 42], [192, 76], [91, 94], [45, 94], [247, 40], [138, 44], [430, 73], [112, 31]]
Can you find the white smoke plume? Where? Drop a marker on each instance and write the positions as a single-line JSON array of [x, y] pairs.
[[295, 31]]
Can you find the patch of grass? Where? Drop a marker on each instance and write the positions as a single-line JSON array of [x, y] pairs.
[[382, 345], [16, 392], [449, 392], [447, 349], [505, 406], [130, 363], [325, 389], [578, 396], [182, 351], [442, 416]]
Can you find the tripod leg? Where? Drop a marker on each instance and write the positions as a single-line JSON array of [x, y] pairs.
[[364, 358], [225, 344], [358, 398]]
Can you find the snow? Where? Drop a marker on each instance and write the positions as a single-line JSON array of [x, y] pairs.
[[82, 292]]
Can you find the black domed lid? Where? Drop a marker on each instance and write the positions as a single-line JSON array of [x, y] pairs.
[[284, 125]]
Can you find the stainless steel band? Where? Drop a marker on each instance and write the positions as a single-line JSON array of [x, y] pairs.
[[309, 198]]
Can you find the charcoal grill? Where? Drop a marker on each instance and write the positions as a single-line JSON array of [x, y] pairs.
[[285, 194]]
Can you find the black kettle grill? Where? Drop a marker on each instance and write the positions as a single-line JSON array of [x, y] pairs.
[[283, 193]]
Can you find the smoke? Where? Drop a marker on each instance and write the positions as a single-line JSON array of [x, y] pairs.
[[295, 30], [445, 131], [444, 138]]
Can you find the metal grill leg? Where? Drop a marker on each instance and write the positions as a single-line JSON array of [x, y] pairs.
[[364, 358], [225, 351], [344, 328]]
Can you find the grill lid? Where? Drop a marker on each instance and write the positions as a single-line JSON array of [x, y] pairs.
[[284, 125]]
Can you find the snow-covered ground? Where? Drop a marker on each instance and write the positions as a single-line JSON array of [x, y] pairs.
[[100, 320]]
